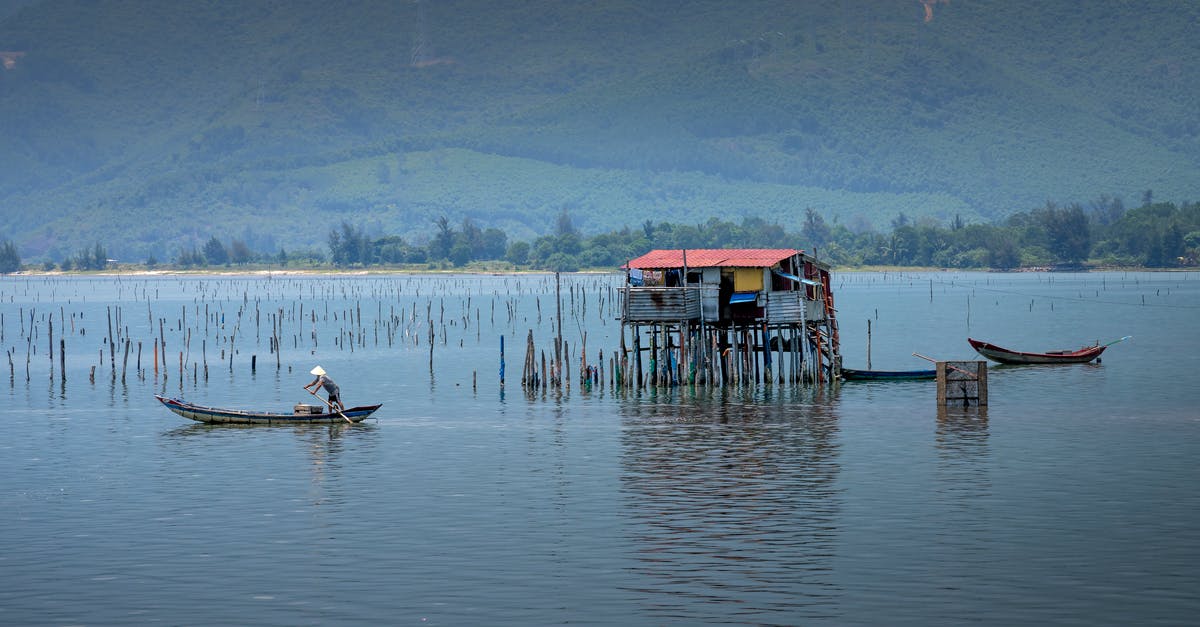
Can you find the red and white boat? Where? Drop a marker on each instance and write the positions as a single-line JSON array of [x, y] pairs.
[[1009, 356]]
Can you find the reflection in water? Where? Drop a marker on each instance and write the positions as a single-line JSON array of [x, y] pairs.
[[732, 500], [323, 445], [963, 486], [963, 453], [330, 431], [326, 444]]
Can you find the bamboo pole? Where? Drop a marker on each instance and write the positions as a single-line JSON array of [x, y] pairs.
[[653, 356], [637, 355], [868, 343], [558, 341]]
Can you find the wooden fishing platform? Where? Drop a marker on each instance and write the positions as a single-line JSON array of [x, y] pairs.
[[962, 383]]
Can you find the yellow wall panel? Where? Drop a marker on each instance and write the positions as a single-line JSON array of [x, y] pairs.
[[747, 279]]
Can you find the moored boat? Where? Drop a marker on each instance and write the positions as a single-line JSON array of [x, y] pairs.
[[1008, 356], [301, 414], [850, 374]]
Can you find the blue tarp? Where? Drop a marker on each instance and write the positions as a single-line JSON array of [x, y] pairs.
[[743, 297], [796, 278]]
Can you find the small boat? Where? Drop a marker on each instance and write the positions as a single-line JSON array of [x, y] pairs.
[[1007, 356], [301, 414], [851, 374]]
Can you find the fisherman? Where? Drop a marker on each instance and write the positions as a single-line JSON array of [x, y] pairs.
[[323, 381]]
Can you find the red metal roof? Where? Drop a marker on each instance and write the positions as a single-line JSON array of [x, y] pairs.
[[713, 257]]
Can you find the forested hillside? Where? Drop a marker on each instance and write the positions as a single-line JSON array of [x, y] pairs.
[[151, 127]]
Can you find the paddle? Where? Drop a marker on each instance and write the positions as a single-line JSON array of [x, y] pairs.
[[969, 374], [331, 406], [1120, 340]]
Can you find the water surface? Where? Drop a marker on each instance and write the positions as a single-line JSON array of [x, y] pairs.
[[1069, 499]]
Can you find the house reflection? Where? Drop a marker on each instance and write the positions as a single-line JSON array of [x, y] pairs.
[[733, 499]]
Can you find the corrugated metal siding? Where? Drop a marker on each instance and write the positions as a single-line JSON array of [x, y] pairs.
[[711, 297], [815, 311], [662, 304], [785, 307]]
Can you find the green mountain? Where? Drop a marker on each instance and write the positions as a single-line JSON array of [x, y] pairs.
[[152, 126]]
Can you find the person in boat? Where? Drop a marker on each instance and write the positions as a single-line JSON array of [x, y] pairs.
[[331, 388]]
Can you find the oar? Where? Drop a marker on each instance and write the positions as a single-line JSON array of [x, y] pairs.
[[331, 406], [969, 374], [1120, 340]]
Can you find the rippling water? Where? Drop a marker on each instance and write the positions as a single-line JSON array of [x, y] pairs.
[[1071, 498]]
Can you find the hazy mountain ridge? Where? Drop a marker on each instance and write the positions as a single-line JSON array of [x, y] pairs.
[[153, 126]]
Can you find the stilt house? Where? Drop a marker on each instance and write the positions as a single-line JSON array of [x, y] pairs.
[[720, 312]]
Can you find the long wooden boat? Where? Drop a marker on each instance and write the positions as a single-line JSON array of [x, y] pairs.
[[850, 374], [213, 415], [1008, 356]]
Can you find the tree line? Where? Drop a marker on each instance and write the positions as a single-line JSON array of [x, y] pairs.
[[89, 258], [1105, 234]]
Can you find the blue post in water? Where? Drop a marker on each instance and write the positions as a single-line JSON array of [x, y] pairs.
[[501, 361]]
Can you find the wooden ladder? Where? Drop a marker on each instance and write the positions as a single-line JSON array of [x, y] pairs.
[[831, 313]]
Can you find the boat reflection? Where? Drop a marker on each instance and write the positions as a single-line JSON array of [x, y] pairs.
[[331, 430], [733, 500], [322, 445]]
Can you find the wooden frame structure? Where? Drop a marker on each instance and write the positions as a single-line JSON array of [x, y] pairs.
[[962, 383]]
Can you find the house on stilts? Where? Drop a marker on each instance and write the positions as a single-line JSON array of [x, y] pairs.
[[729, 317]]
